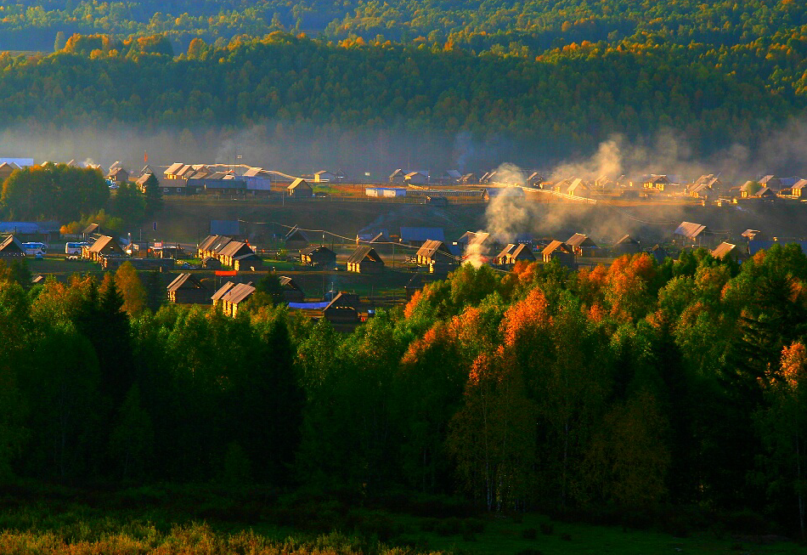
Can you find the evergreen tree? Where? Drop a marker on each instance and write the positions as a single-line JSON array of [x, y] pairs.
[[154, 196]]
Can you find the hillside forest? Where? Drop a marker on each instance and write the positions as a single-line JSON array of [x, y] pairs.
[[625, 388], [536, 81]]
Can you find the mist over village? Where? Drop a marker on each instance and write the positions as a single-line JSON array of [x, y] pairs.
[[408, 278]]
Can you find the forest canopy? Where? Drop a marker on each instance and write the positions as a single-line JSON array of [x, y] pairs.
[[568, 98], [633, 386]]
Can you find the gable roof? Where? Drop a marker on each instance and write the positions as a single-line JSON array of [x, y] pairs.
[[234, 247], [208, 241], [223, 290], [253, 172], [690, 230], [480, 237], [750, 233], [344, 300], [364, 252], [627, 240], [220, 242], [299, 182], [555, 246], [11, 244], [422, 234], [103, 242], [722, 250], [173, 168], [238, 293], [431, 247], [185, 281], [579, 240]]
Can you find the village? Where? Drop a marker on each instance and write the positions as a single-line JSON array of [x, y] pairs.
[[345, 278]]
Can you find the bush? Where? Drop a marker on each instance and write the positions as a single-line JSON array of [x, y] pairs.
[[547, 529]]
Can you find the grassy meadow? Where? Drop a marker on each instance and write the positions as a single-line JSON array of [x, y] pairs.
[[217, 520]]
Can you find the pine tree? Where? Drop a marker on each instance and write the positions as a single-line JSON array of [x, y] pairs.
[[154, 196]]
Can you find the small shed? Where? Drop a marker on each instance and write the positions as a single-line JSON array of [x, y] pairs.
[[344, 308], [365, 260], [627, 245], [300, 188], [318, 257], [187, 289]]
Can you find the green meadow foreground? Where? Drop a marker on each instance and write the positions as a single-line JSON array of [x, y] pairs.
[[209, 520]]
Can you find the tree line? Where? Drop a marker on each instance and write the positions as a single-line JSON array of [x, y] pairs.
[[565, 100], [632, 386], [76, 197], [32, 24]]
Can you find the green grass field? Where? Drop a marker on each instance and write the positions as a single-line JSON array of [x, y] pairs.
[[218, 519]]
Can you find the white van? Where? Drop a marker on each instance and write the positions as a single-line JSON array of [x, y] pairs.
[[74, 248]]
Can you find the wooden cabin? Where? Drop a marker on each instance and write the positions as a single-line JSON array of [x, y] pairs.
[[365, 260], [558, 251], [187, 289], [318, 257], [300, 188], [344, 308], [103, 247], [627, 245], [515, 252], [582, 245]]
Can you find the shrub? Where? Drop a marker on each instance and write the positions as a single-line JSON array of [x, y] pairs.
[[547, 529], [529, 533]]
